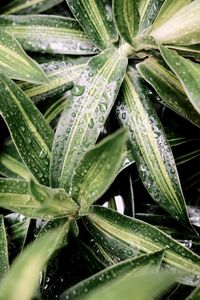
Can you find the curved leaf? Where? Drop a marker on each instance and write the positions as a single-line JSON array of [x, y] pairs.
[[150, 148], [85, 113], [187, 72], [55, 109], [95, 16], [29, 130], [148, 10], [97, 170], [168, 88], [113, 273], [19, 280], [61, 75], [49, 34], [127, 18], [4, 262], [34, 200], [142, 237], [182, 28], [28, 6], [168, 9], [15, 63]]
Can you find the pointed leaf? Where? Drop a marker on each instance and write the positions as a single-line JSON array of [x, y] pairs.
[[4, 263], [29, 130], [143, 237], [49, 34], [187, 72], [150, 148], [19, 280], [113, 273], [95, 16], [168, 9], [127, 19], [182, 28], [15, 63], [168, 88], [28, 6], [34, 200], [61, 76], [97, 170], [195, 295], [85, 113]]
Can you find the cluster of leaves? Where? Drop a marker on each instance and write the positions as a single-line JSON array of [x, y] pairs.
[[103, 107]]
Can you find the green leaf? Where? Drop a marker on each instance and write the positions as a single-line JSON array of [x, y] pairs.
[[11, 164], [61, 75], [49, 34], [195, 295], [114, 273], [29, 130], [4, 262], [15, 63], [85, 113], [34, 200], [28, 6], [97, 170], [20, 280], [148, 10], [168, 9], [127, 19], [182, 28], [150, 148], [55, 109], [143, 237], [187, 72], [17, 227], [168, 88], [96, 19]]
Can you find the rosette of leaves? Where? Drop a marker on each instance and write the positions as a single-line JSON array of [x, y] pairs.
[[72, 73]]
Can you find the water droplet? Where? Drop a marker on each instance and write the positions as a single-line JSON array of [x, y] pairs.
[[78, 90]]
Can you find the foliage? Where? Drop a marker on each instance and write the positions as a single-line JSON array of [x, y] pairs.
[[99, 170]]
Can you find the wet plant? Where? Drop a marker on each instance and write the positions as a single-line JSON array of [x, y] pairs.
[[99, 171]]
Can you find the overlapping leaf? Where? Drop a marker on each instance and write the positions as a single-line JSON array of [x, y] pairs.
[[49, 34], [19, 281], [113, 273], [181, 28], [29, 130], [4, 263], [97, 21], [168, 88], [97, 169], [85, 113], [15, 63], [111, 229], [34, 200], [187, 72], [28, 6], [150, 148]]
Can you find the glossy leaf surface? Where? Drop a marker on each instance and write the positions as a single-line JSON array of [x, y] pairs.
[[95, 16], [29, 130], [97, 170], [4, 262], [48, 34], [150, 148], [86, 111]]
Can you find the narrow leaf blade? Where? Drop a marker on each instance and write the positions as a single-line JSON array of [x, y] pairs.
[[150, 148], [113, 273], [142, 237], [4, 262], [168, 88], [15, 63], [96, 19], [85, 113], [97, 170], [187, 72], [195, 295], [30, 132], [48, 34]]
